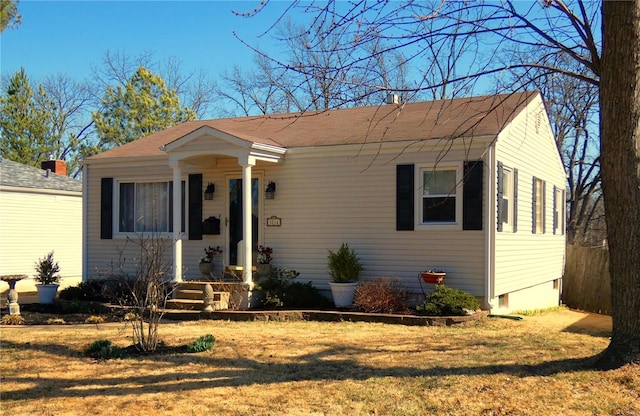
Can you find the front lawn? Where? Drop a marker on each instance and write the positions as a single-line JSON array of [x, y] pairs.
[[537, 366]]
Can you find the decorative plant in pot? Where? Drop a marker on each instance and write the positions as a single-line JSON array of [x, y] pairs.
[[263, 266], [344, 267], [47, 277], [435, 276], [206, 262]]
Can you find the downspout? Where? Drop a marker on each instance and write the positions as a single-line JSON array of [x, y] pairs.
[[491, 226], [85, 217]]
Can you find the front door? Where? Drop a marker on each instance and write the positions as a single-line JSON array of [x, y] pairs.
[[235, 218]]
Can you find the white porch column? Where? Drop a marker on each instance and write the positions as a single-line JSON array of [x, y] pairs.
[[177, 221], [247, 231]]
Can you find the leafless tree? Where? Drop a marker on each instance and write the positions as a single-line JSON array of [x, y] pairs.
[[70, 117], [195, 88], [316, 84], [144, 285], [572, 105]]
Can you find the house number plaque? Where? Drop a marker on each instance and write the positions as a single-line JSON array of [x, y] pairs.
[[274, 221]]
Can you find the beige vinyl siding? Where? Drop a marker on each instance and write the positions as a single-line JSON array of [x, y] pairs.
[[32, 224], [524, 259], [326, 200], [323, 199]]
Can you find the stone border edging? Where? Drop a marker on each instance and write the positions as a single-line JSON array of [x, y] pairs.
[[337, 316]]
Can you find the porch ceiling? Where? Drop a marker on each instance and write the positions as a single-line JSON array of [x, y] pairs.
[[208, 141]]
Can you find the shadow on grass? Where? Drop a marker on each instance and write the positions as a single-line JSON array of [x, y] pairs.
[[326, 365], [593, 324]]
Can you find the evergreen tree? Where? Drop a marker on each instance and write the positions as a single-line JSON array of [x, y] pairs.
[[25, 124], [143, 106]]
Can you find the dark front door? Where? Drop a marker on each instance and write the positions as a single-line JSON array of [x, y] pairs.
[[236, 223]]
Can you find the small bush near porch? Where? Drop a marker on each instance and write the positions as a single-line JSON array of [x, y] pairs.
[[537, 366]]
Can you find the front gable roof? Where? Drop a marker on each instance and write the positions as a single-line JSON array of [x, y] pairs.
[[17, 175], [443, 119]]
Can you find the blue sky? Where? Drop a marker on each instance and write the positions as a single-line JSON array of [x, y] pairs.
[[69, 36]]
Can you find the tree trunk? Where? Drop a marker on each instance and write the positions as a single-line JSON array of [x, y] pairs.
[[620, 146]]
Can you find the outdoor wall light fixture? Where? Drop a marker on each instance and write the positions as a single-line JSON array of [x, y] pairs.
[[270, 192], [208, 193]]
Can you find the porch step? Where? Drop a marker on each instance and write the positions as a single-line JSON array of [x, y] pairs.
[[185, 304], [190, 296]]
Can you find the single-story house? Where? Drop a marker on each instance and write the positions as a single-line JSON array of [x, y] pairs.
[[473, 186], [40, 212]]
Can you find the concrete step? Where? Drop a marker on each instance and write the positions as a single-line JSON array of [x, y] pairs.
[[185, 304], [188, 294]]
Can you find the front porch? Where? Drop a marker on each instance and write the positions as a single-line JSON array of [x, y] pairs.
[[234, 159]]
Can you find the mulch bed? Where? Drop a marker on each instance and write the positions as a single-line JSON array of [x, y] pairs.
[[77, 312], [68, 313]]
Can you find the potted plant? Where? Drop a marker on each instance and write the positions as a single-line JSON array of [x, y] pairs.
[[206, 262], [47, 277], [263, 268], [435, 276], [344, 267]]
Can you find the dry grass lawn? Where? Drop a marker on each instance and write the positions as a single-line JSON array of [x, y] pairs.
[[538, 366]]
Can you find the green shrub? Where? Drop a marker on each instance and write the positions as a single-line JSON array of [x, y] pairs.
[[85, 291], [280, 291], [344, 265], [446, 301], [381, 295], [103, 350], [304, 295], [204, 343]]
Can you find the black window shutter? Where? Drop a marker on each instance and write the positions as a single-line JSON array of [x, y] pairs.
[[544, 207], [533, 206], [555, 210], [515, 200], [563, 224], [106, 208], [195, 206], [500, 196], [405, 192], [472, 195]]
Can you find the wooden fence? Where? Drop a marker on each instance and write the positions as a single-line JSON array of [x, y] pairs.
[[587, 284]]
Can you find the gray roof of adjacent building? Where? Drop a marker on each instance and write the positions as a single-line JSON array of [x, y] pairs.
[[17, 175]]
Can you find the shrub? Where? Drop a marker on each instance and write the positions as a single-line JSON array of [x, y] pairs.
[[103, 350], [12, 320], [381, 296], [85, 291], [280, 291], [204, 343], [304, 295], [344, 265], [446, 301], [93, 319], [47, 270]]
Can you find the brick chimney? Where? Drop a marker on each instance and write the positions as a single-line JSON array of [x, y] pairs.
[[55, 166]]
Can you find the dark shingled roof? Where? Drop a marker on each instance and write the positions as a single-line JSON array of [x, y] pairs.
[[23, 176], [444, 119]]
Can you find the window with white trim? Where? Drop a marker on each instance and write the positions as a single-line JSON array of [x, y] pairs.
[[538, 206], [439, 199], [507, 201], [147, 207]]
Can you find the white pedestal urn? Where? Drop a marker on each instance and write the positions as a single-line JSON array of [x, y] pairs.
[[47, 293], [343, 293], [12, 296]]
